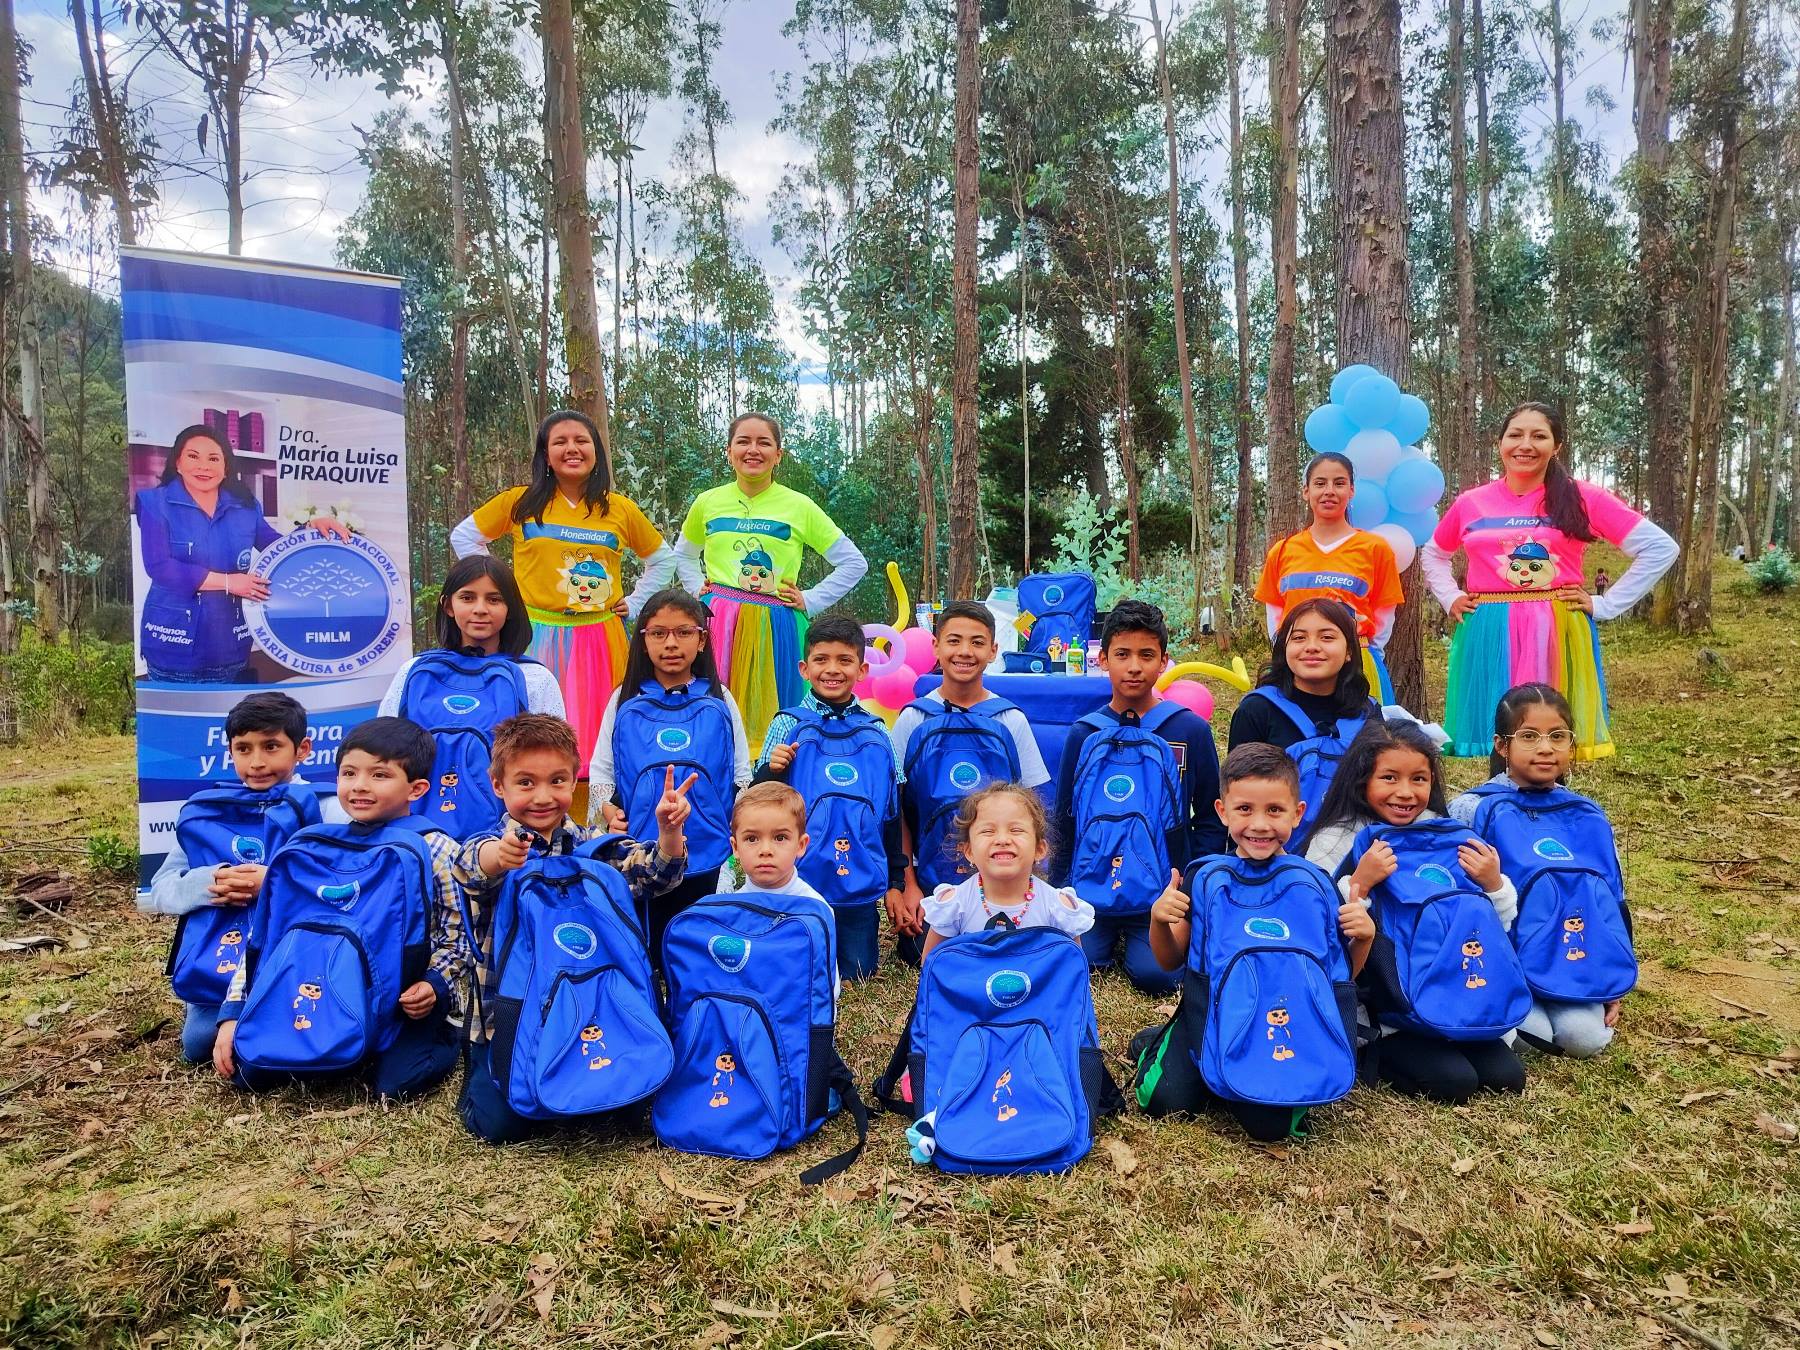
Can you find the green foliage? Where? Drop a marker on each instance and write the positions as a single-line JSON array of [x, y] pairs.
[[1774, 572], [67, 684], [1091, 543], [111, 855]]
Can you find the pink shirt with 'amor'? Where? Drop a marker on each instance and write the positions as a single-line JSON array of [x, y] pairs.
[[1511, 544]]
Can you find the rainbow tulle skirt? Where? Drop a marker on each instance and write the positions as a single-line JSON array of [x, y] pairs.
[[1381, 684], [586, 653], [1510, 640], [758, 643]]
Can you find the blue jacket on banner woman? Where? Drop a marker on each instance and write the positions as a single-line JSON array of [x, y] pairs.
[[200, 524]]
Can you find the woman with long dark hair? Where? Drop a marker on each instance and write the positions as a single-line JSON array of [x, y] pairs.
[[199, 529], [569, 529], [741, 547], [1524, 614]]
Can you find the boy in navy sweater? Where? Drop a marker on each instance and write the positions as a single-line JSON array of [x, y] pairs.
[[1134, 647]]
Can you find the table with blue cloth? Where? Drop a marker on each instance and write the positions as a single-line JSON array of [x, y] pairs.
[[1051, 703]]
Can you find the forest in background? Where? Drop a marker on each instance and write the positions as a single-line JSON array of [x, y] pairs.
[[1079, 270]]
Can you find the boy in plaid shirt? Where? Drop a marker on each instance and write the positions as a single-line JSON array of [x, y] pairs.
[[534, 766]]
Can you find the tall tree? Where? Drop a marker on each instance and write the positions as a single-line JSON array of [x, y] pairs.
[[1285, 18], [1467, 466], [965, 430], [1199, 466], [1374, 308], [1244, 552], [25, 415], [571, 215], [1652, 39], [458, 412], [109, 119]]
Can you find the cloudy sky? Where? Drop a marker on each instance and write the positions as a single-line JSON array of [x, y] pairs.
[[301, 137]]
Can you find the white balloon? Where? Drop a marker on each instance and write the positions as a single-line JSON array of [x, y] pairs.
[[1400, 541], [1374, 453]]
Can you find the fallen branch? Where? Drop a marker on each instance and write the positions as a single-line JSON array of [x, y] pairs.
[[1693, 1333]]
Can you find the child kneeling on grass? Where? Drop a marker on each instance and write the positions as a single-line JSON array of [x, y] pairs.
[[1266, 1027], [356, 950], [535, 763]]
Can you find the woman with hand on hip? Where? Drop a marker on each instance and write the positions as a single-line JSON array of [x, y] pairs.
[[1524, 615], [569, 529], [744, 541], [199, 530]]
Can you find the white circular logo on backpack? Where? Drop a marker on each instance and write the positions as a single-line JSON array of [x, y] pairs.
[[1118, 788], [246, 848], [673, 739], [577, 939], [461, 704], [964, 776], [1266, 927], [1436, 875], [1008, 988], [840, 774], [1553, 850], [341, 894], [729, 952], [1053, 595]]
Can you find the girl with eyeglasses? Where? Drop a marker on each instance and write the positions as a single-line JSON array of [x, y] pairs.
[[671, 710], [1534, 741], [569, 529]]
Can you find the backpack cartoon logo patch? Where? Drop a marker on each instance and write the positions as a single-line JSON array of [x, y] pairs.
[[1004, 1110], [1008, 988], [1280, 1031], [593, 1047]]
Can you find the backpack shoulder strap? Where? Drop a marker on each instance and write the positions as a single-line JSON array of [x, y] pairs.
[[886, 1088], [1288, 708], [839, 1077], [1159, 714]]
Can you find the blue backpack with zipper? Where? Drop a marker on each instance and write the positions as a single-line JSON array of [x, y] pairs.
[[574, 1028], [222, 826], [689, 728], [1004, 1053], [1126, 797], [843, 768], [460, 699], [1573, 933], [341, 929], [1061, 606], [952, 752], [1267, 987], [753, 1006], [1447, 966], [1316, 757]]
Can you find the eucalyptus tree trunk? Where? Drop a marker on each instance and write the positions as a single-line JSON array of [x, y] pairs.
[[1466, 468], [965, 445], [1244, 552], [1285, 18]]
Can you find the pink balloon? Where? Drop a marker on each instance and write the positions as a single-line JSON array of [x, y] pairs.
[[895, 690], [865, 687], [921, 651], [1191, 694]]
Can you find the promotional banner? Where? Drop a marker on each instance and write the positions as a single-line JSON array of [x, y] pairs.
[[266, 439]]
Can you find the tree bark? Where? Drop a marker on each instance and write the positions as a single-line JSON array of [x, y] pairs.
[[965, 446], [1707, 389], [1652, 26], [1466, 471], [1285, 19], [1484, 202], [564, 140], [458, 411], [1244, 552], [1374, 322], [27, 413], [1199, 466]]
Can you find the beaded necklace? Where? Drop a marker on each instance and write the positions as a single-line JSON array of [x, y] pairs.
[[1000, 918]]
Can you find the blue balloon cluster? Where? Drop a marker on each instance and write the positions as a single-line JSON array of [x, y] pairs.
[[1377, 427]]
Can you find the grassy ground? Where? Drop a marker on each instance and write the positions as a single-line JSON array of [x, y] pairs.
[[1646, 1198]]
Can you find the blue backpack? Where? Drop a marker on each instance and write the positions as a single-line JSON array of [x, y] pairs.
[[340, 931], [1267, 985], [1127, 796], [953, 752], [752, 1002], [1573, 934], [575, 1029], [690, 729], [1316, 757], [460, 699], [219, 826], [844, 770], [1061, 605], [1004, 1053], [1447, 966]]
